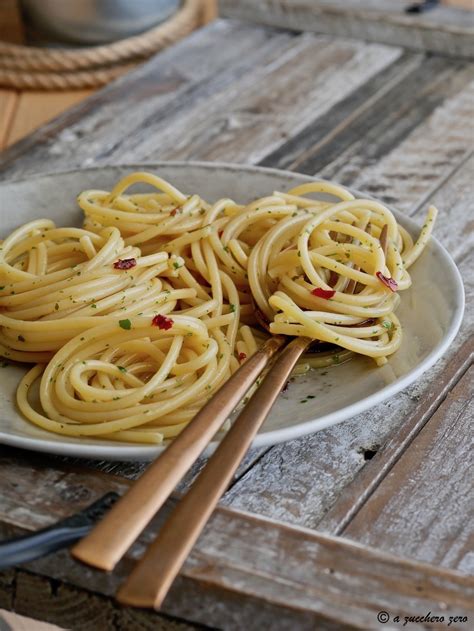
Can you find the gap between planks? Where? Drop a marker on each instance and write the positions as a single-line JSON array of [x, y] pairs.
[[392, 518], [368, 480]]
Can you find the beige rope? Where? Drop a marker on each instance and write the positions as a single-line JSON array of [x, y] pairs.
[[61, 81], [24, 67]]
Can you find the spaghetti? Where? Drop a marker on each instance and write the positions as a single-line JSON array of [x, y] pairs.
[[134, 320]]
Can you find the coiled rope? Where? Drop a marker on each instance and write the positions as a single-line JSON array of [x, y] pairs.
[[28, 67]]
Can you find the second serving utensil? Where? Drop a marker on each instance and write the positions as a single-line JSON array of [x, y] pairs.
[[151, 579]]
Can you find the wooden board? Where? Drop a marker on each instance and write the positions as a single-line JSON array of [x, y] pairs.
[[393, 123], [8, 105], [11, 26], [444, 29], [33, 109]]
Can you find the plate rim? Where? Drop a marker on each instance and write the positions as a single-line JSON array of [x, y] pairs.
[[144, 452]]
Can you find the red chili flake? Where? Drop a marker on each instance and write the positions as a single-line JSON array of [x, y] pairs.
[[174, 211], [323, 293], [162, 322], [241, 357], [388, 282], [220, 233], [125, 263]]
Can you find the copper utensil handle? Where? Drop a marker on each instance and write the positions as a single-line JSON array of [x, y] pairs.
[[112, 537], [151, 578]]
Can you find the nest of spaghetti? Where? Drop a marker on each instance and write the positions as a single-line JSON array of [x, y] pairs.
[[137, 318]]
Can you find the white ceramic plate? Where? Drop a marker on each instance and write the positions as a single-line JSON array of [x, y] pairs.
[[430, 312]]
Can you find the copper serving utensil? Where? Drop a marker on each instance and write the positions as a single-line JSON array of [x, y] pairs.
[[152, 577], [112, 537]]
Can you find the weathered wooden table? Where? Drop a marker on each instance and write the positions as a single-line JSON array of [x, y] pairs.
[[369, 516]]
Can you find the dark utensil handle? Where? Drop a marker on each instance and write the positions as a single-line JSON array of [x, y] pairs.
[[30, 547], [60, 535]]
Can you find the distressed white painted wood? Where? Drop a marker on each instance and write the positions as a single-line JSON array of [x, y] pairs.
[[444, 29]]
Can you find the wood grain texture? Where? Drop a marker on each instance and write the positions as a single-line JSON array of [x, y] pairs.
[[356, 494], [444, 29], [8, 104], [399, 132], [243, 572], [258, 112], [223, 113], [411, 170], [171, 80], [11, 26], [424, 505], [133, 470], [75, 609], [453, 198], [401, 143], [36, 108]]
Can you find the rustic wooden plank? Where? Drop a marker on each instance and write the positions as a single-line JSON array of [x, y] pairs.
[[263, 108], [444, 29], [414, 168], [351, 142], [453, 197], [35, 108], [300, 152], [132, 470], [171, 80], [11, 26], [383, 460], [62, 604], [423, 507], [245, 571], [8, 104]]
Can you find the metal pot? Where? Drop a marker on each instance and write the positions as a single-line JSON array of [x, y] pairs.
[[96, 21]]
